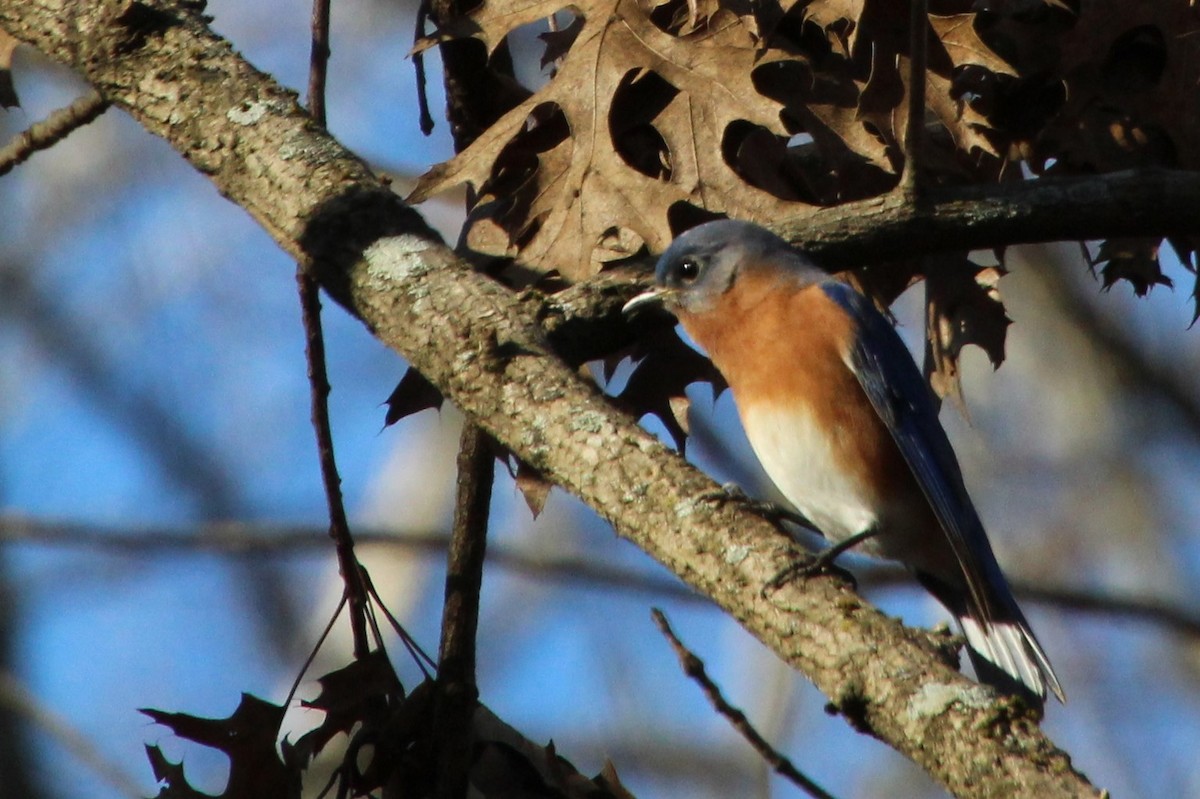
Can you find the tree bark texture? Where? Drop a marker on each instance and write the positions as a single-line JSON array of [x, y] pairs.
[[492, 353]]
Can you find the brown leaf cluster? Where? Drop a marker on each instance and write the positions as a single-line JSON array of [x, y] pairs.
[[389, 754], [1105, 86], [658, 114]]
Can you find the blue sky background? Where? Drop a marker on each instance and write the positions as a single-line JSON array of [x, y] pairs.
[[152, 378]]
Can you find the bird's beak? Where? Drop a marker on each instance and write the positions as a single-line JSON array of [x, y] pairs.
[[654, 298]]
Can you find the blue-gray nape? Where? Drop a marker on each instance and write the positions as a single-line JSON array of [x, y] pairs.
[[719, 249]]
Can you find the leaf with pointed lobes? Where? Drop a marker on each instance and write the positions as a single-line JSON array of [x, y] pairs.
[[962, 306], [247, 737], [365, 693], [1131, 260], [412, 395], [659, 384]]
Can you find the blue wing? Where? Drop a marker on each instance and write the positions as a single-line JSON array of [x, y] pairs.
[[898, 392]]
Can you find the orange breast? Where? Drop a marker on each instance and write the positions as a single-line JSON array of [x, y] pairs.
[[786, 351]]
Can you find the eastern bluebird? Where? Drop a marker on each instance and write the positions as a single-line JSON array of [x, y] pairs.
[[844, 425]]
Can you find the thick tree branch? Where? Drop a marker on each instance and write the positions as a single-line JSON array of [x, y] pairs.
[[484, 349], [1144, 202]]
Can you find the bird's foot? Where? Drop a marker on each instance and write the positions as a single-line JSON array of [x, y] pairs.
[[821, 562]]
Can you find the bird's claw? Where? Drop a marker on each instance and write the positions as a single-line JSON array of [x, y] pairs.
[[822, 561]]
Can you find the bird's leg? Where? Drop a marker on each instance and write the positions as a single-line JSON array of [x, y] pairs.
[[822, 561], [732, 492]]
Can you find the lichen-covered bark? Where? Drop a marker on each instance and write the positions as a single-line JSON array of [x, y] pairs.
[[488, 351]]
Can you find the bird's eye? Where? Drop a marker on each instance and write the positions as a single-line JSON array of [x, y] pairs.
[[689, 270]]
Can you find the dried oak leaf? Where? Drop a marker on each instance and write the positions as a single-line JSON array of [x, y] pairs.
[[962, 306], [534, 487], [659, 382], [1130, 71], [869, 111], [247, 737], [8, 92], [838, 19], [363, 693], [551, 175], [1134, 260], [414, 393], [170, 776]]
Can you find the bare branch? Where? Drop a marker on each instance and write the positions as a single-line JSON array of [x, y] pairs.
[[458, 693], [236, 539], [50, 131], [693, 667], [914, 133], [318, 379], [1143, 202]]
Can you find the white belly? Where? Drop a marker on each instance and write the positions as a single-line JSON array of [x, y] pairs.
[[798, 455]]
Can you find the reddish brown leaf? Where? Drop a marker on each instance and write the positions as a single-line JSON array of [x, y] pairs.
[[534, 488], [962, 306], [658, 385], [8, 92]]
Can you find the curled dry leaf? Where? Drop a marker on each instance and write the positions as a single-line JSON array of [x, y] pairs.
[[962, 306], [8, 92]]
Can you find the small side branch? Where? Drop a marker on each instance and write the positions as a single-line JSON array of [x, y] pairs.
[[693, 667], [314, 350], [914, 133], [53, 129], [458, 692]]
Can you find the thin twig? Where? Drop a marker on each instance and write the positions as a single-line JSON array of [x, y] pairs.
[[457, 690], [318, 380], [53, 129], [914, 133], [258, 540], [424, 662], [312, 654], [425, 119], [318, 61], [339, 527], [693, 667]]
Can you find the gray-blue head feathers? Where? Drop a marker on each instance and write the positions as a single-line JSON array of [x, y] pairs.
[[705, 262]]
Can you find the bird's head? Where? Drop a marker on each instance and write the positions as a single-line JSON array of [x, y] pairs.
[[706, 262]]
